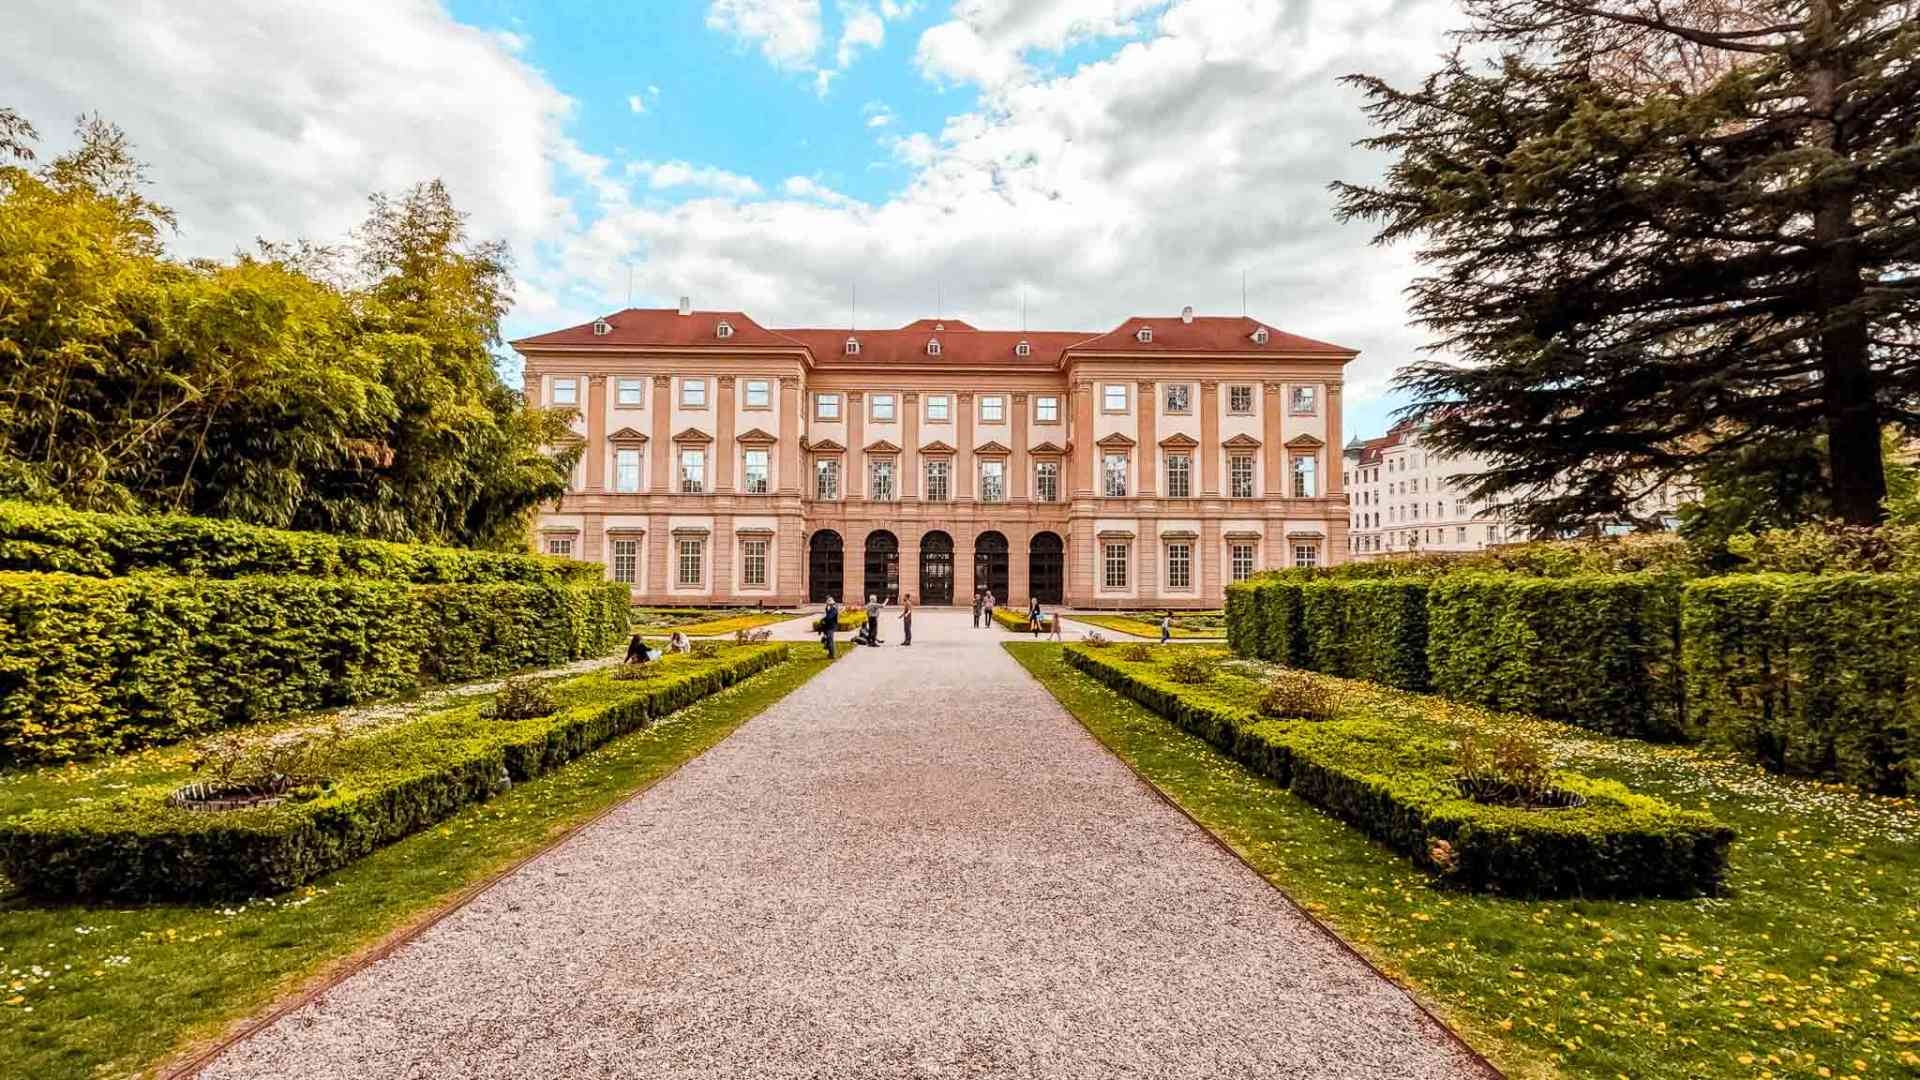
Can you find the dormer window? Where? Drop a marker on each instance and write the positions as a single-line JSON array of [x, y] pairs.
[[1023, 349], [1144, 335], [1260, 336], [724, 330], [933, 346], [601, 328], [853, 347]]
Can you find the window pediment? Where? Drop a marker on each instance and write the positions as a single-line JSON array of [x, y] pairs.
[[693, 435], [627, 436], [755, 437], [1180, 534], [990, 448], [1115, 441], [825, 446], [1047, 448], [938, 447], [881, 446], [1115, 534], [1304, 442], [1242, 442], [1179, 441]]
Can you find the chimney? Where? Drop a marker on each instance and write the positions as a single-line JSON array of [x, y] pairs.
[[686, 305], [1186, 314]]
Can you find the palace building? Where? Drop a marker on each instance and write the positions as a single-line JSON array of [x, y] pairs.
[[729, 463]]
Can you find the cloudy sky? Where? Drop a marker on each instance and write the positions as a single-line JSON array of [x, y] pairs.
[[1098, 158]]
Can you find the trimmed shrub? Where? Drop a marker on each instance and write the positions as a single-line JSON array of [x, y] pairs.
[[132, 846], [1399, 786], [93, 665], [50, 539], [1282, 636], [1246, 620], [850, 619], [521, 699], [1386, 632], [1187, 667], [1137, 653], [1015, 619], [1296, 695], [1323, 627], [1600, 651], [1816, 675]]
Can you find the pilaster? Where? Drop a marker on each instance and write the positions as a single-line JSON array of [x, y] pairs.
[[1272, 409], [1209, 438], [963, 465], [789, 478], [596, 433], [1020, 484], [854, 484], [724, 450], [908, 482], [662, 443], [1145, 401]]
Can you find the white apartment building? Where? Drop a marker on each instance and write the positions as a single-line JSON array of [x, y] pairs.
[[1403, 498]]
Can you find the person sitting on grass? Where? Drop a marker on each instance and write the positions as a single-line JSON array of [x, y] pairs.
[[679, 643], [637, 651]]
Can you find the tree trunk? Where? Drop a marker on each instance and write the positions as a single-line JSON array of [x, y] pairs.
[[1854, 461]]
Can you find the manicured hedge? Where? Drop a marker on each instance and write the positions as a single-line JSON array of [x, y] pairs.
[[97, 665], [1396, 785], [1810, 674], [850, 619], [1015, 619], [1600, 651], [49, 539], [133, 847]]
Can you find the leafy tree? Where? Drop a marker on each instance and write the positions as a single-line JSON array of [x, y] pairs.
[[1661, 236], [299, 386]]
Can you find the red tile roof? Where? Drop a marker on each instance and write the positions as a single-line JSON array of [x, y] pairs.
[[1206, 333], [664, 326], [961, 348]]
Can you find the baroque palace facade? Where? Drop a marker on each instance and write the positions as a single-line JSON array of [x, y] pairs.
[[728, 463]]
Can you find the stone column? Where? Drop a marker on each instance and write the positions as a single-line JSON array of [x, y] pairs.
[[1020, 484], [789, 436], [662, 441], [1080, 590], [908, 480], [1335, 482], [721, 557], [1145, 403], [963, 456], [724, 450], [1083, 466], [1210, 438], [596, 433], [910, 563], [1272, 411], [963, 583], [1146, 563], [1208, 556], [1019, 584], [657, 541], [854, 484]]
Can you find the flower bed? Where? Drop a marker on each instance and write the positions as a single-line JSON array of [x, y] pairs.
[[731, 624], [125, 843], [99, 665], [1399, 785], [850, 619], [1140, 627], [1015, 619]]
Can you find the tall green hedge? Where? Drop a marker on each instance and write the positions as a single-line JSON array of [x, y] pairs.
[[98, 665], [1810, 674], [1386, 631], [1601, 651], [41, 538], [1365, 628]]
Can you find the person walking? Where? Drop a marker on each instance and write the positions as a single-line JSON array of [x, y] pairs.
[[906, 620], [986, 611], [829, 622], [976, 609], [1055, 629], [1166, 627], [873, 621], [1033, 617]]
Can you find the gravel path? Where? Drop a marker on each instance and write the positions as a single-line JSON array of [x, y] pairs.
[[917, 865]]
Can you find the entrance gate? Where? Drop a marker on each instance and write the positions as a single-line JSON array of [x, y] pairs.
[[883, 568], [936, 568], [826, 566], [1047, 568], [990, 565]]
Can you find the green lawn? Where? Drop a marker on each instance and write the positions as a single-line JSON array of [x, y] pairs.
[[1142, 626], [108, 991], [1808, 965]]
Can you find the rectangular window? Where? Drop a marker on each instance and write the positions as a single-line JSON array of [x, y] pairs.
[[757, 470], [693, 471], [560, 545], [1303, 478], [1180, 566], [1046, 410], [1240, 400], [1460, 534], [759, 394], [566, 391], [1113, 397], [1240, 476], [753, 563], [880, 479], [1114, 566], [1046, 481], [882, 408], [1305, 399], [626, 560], [993, 481], [1179, 398], [937, 477], [629, 393], [626, 470], [826, 478], [939, 408], [692, 562], [826, 406], [1306, 556], [1240, 561], [1115, 472], [1179, 476], [993, 409], [693, 393]]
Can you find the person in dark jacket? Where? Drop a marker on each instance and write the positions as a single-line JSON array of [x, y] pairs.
[[637, 651], [1033, 617], [829, 624], [906, 620]]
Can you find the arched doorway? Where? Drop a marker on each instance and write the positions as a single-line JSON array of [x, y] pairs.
[[1047, 568], [990, 565], [883, 567], [826, 566], [936, 568]]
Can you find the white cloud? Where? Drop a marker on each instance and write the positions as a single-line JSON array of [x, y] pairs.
[[803, 187], [877, 113], [664, 175], [636, 103], [986, 41], [787, 32], [861, 27]]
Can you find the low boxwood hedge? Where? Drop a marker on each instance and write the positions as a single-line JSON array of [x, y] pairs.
[[1810, 674], [50, 539], [98, 665], [129, 845], [850, 619], [1396, 785], [1015, 619]]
